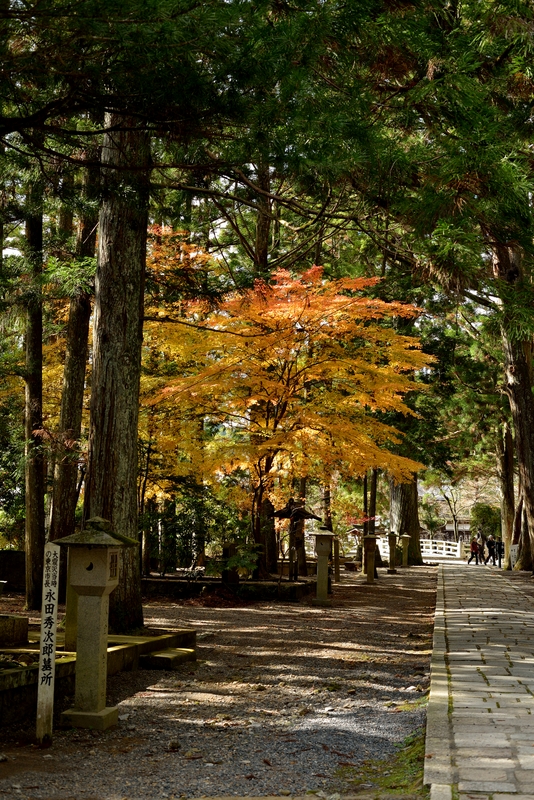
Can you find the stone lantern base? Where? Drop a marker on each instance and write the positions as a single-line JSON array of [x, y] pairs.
[[320, 602]]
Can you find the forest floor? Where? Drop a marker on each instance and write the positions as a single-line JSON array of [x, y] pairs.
[[285, 699]]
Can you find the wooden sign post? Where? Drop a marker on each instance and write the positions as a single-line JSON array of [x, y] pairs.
[[47, 658]]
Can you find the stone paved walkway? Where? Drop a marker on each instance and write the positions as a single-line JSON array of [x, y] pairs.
[[480, 724]]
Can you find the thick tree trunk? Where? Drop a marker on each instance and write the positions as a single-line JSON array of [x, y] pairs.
[[507, 268], [519, 390], [404, 515], [111, 485], [263, 528], [505, 471], [35, 462], [70, 419], [524, 557]]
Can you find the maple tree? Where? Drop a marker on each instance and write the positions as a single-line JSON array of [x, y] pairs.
[[291, 377]]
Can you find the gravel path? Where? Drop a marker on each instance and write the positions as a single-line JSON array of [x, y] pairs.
[[281, 697]]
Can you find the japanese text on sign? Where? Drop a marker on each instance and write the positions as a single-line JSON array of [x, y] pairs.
[[45, 691]]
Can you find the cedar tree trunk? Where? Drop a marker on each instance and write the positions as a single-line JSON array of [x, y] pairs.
[[505, 471], [404, 515], [518, 381], [70, 420], [111, 485], [35, 463]]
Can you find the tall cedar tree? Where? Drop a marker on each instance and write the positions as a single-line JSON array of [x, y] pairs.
[[111, 484]]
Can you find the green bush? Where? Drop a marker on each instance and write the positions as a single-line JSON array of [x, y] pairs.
[[486, 519]]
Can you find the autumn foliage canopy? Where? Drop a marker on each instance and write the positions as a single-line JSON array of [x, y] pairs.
[[292, 377]]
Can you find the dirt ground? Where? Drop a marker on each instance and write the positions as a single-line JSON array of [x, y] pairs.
[[265, 663]]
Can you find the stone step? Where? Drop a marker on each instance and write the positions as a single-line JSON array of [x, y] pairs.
[[171, 658]]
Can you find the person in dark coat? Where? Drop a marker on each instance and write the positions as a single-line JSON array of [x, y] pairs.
[[490, 544]]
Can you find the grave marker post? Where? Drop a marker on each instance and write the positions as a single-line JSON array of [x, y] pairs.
[[47, 656]]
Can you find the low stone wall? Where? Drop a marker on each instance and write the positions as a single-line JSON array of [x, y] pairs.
[[18, 686], [18, 689], [291, 591]]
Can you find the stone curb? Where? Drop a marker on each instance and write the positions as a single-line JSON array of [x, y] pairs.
[[438, 769]]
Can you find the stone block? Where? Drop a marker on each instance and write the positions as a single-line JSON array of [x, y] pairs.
[[440, 791], [95, 720], [171, 658], [486, 786], [511, 797], [13, 630], [482, 775], [476, 796], [485, 762]]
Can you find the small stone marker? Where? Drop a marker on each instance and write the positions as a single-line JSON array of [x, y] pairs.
[[93, 570], [405, 539], [47, 657], [323, 544]]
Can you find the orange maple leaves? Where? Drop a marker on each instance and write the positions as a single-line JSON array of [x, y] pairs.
[[293, 376]]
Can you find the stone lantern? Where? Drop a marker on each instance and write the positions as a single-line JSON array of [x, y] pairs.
[[323, 546], [93, 574], [405, 539], [369, 543]]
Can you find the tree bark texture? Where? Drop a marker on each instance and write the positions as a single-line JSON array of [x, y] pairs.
[[507, 268], [111, 485], [519, 389], [70, 419], [262, 530], [404, 516], [505, 470], [35, 462], [524, 557]]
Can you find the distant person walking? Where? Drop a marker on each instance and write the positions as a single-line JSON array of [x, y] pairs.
[[480, 542], [474, 551], [490, 543]]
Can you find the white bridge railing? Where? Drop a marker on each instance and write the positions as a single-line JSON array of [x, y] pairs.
[[431, 548], [442, 549]]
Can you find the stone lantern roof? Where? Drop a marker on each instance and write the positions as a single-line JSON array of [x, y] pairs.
[[97, 533]]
